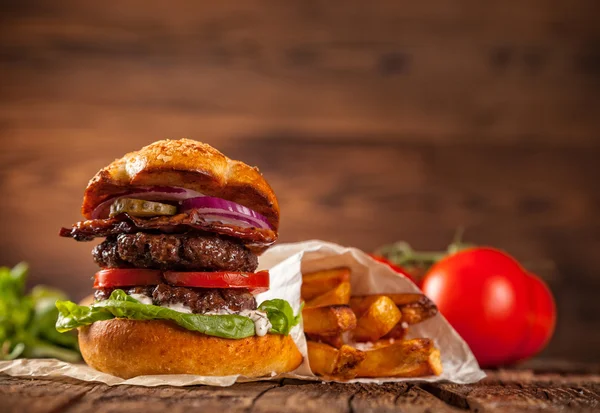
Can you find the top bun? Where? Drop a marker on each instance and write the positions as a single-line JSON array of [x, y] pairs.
[[186, 164]]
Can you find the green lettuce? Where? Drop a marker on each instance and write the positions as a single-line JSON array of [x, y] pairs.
[[27, 320], [121, 305], [280, 314]]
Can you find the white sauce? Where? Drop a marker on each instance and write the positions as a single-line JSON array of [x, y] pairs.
[[222, 311], [179, 307], [260, 319], [142, 298], [261, 322]]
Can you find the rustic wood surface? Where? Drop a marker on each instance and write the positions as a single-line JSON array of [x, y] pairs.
[[373, 121], [501, 391]]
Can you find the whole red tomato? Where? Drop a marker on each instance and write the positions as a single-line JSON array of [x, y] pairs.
[[502, 312], [541, 318]]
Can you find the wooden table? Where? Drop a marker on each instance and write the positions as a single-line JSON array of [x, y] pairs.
[[537, 387]]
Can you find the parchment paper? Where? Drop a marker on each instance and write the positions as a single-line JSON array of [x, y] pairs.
[[286, 263]]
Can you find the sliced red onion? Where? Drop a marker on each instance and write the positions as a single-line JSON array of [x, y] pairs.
[[218, 209], [232, 221], [152, 193]]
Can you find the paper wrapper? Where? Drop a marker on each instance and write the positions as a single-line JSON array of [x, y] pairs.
[[286, 263]]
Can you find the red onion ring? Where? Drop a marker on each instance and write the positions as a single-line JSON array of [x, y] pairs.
[[218, 209], [211, 208], [152, 193]]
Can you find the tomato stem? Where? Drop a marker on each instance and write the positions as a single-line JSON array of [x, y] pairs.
[[403, 255]]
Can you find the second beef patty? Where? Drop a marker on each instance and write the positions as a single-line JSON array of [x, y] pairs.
[[191, 252], [200, 300]]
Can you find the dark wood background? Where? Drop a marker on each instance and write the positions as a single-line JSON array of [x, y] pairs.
[[373, 121]]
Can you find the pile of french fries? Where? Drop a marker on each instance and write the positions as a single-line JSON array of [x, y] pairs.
[[364, 336]]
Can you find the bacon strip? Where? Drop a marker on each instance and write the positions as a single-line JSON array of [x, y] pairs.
[[256, 239]]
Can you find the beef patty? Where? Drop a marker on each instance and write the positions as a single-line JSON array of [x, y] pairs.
[[200, 300], [191, 252]]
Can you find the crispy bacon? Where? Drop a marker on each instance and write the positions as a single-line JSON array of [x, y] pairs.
[[256, 239]]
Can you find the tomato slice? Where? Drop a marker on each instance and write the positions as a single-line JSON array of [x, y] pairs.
[[125, 277], [257, 282]]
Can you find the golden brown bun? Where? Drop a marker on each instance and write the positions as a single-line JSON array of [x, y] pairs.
[[187, 164], [129, 348]]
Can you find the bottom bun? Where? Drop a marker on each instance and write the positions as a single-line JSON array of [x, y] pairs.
[[129, 348]]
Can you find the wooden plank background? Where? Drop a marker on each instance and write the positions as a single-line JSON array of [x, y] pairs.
[[373, 121]]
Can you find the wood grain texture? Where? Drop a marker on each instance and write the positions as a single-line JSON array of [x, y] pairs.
[[373, 122], [502, 390]]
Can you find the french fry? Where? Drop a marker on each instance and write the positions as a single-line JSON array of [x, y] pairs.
[[398, 332], [322, 358], [377, 323], [408, 358], [330, 362], [414, 307], [328, 320], [361, 304], [347, 362], [336, 340], [340, 295], [416, 311], [318, 283], [379, 318]]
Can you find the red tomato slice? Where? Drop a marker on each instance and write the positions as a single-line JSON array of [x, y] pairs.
[[125, 277], [257, 282]]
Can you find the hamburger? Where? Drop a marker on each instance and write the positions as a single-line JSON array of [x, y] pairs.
[[176, 290]]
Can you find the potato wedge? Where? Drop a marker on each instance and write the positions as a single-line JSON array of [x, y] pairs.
[[409, 358], [414, 307], [318, 283], [398, 332], [340, 295], [328, 320], [360, 304], [330, 362], [416, 311], [347, 362], [379, 318], [321, 357], [335, 340]]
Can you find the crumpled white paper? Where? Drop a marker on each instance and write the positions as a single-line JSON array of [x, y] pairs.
[[286, 263]]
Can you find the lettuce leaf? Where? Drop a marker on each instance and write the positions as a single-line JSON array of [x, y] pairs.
[[27, 320], [121, 305], [281, 315]]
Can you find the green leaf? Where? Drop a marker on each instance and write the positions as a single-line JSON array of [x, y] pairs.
[[71, 315], [17, 350], [41, 348], [45, 316], [27, 321], [16, 311], [280, 314], [121, 305]]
